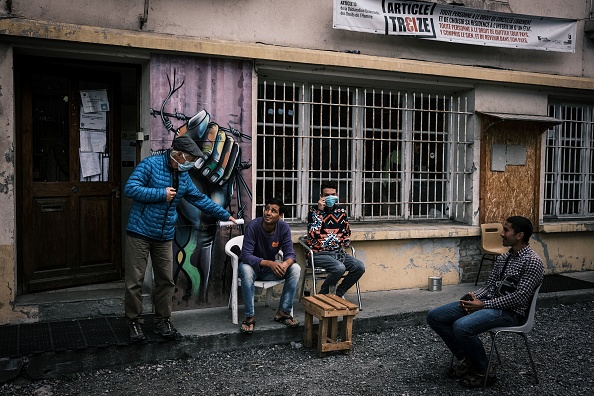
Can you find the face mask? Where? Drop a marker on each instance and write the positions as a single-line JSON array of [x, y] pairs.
[[331, 200], [185, 166]]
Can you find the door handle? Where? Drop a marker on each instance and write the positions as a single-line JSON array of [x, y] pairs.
[[74, 189], [116, 191]]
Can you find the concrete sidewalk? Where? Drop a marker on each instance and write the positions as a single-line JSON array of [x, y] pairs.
[[208, 330], [381, 310]]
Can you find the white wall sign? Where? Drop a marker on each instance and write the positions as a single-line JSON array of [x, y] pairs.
[[455, 24]]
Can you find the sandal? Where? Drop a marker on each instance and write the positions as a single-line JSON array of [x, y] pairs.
[[251, 325], [476, 380], [459, 370], [287, 320]]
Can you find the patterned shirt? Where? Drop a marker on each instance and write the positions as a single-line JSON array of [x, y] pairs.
[[524, 265], [328, 229]]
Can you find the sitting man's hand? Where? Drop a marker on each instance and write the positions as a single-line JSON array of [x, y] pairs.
[[279, 269], [473, 305]]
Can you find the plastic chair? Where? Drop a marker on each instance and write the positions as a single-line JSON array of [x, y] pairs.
[[236, 282], [490, 244], [318, 273], [521, 330]]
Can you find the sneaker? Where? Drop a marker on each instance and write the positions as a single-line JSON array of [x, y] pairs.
[[136, 334], [165, 329]]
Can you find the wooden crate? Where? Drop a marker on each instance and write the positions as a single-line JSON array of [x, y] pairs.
[[328, 308]]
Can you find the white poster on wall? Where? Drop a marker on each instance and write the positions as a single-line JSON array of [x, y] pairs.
[[456, 24]]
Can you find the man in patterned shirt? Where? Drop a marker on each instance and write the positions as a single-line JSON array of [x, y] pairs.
[[328, 234], [459, 323]]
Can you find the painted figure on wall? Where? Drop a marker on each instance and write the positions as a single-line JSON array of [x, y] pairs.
[[201, 87]]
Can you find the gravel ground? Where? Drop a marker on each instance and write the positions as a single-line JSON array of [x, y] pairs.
[[405, 361]]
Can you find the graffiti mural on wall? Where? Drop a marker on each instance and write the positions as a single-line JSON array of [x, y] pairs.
[[196, 97]]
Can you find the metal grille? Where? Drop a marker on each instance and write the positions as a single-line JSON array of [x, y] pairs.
[[396, 155], [569, 163]]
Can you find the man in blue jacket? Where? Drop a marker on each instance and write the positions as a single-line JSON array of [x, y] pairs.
[[156, 187]]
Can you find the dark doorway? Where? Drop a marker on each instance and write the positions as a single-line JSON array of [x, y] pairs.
[[68, 174]]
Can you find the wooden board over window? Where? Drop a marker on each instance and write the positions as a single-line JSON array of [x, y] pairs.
[[514, 190]]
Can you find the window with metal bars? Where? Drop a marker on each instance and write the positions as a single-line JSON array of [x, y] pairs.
[[569, 163], [395, 155]]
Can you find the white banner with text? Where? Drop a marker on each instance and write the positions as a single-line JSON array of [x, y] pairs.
[[455, 24]]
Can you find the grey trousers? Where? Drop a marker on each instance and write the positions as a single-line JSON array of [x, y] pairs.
[[137, 252]]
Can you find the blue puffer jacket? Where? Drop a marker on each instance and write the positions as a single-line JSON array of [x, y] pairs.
[[151, 215]]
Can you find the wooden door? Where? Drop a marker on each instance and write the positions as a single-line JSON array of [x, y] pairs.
[[69, 232]]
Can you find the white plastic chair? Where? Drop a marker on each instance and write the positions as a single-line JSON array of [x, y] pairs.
[[521, 330], [236, 282], [320, 273]]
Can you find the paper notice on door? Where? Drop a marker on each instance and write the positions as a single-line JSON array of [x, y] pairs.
[[96, 121], [94, 100], [90, 164], [92, 141]]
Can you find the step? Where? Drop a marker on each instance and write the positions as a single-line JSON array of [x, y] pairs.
[[105, 299]]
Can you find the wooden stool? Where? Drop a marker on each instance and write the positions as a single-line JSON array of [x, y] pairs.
[[327, 308]]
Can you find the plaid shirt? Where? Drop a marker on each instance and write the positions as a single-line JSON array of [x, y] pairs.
[[526, 266]]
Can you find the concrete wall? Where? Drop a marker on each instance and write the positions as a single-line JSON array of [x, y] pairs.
[[308, 24], [507, 99], [406, 264], [7, 187]]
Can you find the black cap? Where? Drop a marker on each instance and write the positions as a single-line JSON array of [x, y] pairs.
[[185, 144]]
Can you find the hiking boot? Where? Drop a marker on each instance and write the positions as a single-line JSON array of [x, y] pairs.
[[136, 334], [165, 329], [476, 380], [460, 370]]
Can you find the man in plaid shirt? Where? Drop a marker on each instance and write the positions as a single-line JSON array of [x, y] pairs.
[[459, 323]]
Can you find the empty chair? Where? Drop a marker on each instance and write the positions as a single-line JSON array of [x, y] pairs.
[[318, 273], [237, 242], [491, 245]]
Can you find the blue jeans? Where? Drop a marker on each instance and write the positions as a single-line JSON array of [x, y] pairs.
[[460, 331], [336, 263], [248, 276]]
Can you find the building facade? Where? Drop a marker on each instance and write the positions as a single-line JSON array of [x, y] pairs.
[[427, 139]]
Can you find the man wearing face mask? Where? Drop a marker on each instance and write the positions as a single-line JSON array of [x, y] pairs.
[[328, 235], [156, 186]]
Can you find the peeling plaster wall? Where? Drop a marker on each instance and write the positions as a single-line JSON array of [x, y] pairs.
[[408, 263], [405, 264], [565, 252], [7, 187]]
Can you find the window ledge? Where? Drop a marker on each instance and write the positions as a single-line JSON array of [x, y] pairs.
[[567, 226], [380, 232]]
